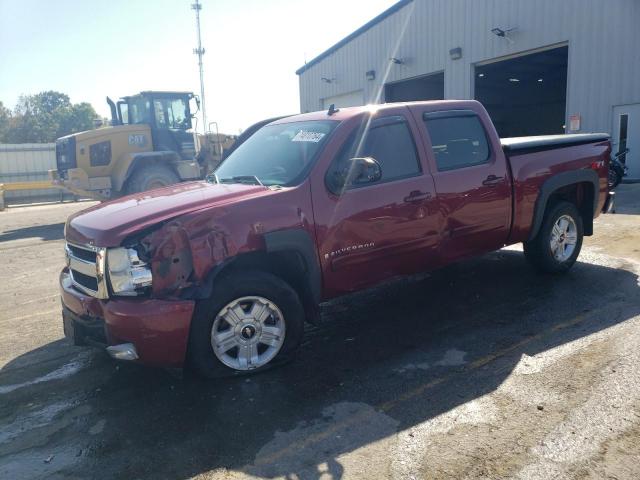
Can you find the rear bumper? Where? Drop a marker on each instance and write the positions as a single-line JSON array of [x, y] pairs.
[[158, 330]]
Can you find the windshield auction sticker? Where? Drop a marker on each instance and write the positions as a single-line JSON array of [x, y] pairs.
[[304, 136]]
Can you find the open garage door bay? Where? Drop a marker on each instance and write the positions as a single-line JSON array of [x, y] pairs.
[[525, 95], [425, 87]]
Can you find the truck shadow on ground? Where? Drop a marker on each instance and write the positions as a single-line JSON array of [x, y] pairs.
[[382, 361], [53, 231]]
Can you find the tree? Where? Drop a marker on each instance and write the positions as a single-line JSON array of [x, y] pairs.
[[45, 116], [5, 117], [77, 118]]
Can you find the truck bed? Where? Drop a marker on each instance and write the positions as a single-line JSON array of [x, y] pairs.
[[520, 145], [533, 160]]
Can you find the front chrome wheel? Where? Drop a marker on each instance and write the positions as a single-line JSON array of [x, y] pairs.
[[248, 333], [564, 237]]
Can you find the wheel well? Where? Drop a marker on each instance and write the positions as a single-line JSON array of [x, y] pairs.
[[288, 265], [582, 196]]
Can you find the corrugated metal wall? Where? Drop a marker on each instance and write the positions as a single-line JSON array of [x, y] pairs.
[[28, 162], [603, 38]]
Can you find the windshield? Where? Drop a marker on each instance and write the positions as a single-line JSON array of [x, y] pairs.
[[277, 154]]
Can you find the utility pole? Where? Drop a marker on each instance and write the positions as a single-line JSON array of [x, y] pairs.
[[200, 52]]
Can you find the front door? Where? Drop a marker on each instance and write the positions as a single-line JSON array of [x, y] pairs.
[[379, 230], [626, 134]]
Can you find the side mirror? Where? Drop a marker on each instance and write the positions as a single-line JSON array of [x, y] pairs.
[[355, 172], [364, 170]]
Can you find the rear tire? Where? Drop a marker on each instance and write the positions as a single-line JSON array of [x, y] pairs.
[[557, 245], [280, 314], [150, 177]]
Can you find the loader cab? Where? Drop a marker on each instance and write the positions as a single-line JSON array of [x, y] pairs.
[[168, 114]]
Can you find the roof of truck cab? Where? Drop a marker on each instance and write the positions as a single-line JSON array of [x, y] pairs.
[[346, 113]]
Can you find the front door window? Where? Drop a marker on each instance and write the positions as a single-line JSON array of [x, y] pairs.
[[388, 141]]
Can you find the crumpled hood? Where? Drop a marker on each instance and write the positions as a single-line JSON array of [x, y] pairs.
[[109, 223]]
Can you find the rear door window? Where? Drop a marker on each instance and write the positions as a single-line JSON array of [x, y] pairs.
[[458, 139]]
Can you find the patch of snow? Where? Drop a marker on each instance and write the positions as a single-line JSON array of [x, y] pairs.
[[64, 371], [452, 358]]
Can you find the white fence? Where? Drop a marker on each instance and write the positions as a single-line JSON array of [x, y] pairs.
[[26, 162]]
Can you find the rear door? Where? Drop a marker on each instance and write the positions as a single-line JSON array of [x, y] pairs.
[[471, 179]]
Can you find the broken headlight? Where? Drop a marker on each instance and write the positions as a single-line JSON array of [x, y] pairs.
[[128, 274]]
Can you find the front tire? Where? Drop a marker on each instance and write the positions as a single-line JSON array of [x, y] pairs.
[[252, 322], [557, 245]]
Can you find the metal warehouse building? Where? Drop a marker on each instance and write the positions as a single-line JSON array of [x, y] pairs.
[[538, 66]]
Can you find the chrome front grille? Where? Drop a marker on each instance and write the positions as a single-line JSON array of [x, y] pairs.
[[86, 267]]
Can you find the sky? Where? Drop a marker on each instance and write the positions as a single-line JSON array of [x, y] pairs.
[[89, 49]]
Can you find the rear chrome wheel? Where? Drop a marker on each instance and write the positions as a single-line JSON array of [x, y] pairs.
[[564, 237], [248, 333], [557, 244]]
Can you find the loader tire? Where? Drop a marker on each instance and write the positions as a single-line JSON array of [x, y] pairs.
[[150, 177]]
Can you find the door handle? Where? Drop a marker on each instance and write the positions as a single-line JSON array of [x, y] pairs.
[[492, 181], [417, 196]]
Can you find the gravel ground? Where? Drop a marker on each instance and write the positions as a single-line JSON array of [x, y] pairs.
[[480, 370]]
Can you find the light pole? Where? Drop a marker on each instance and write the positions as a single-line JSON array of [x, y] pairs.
[[200, 52]]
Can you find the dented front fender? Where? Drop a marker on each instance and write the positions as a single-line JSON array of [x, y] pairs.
[[172, 262], [185, 253]]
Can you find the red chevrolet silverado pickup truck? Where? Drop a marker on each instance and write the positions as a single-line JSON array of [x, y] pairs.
[[222, 274]]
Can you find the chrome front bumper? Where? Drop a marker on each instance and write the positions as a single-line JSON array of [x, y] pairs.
[[149, 331], [91, 331]]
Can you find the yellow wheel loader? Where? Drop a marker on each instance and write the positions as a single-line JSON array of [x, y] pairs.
[[149, 144]]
